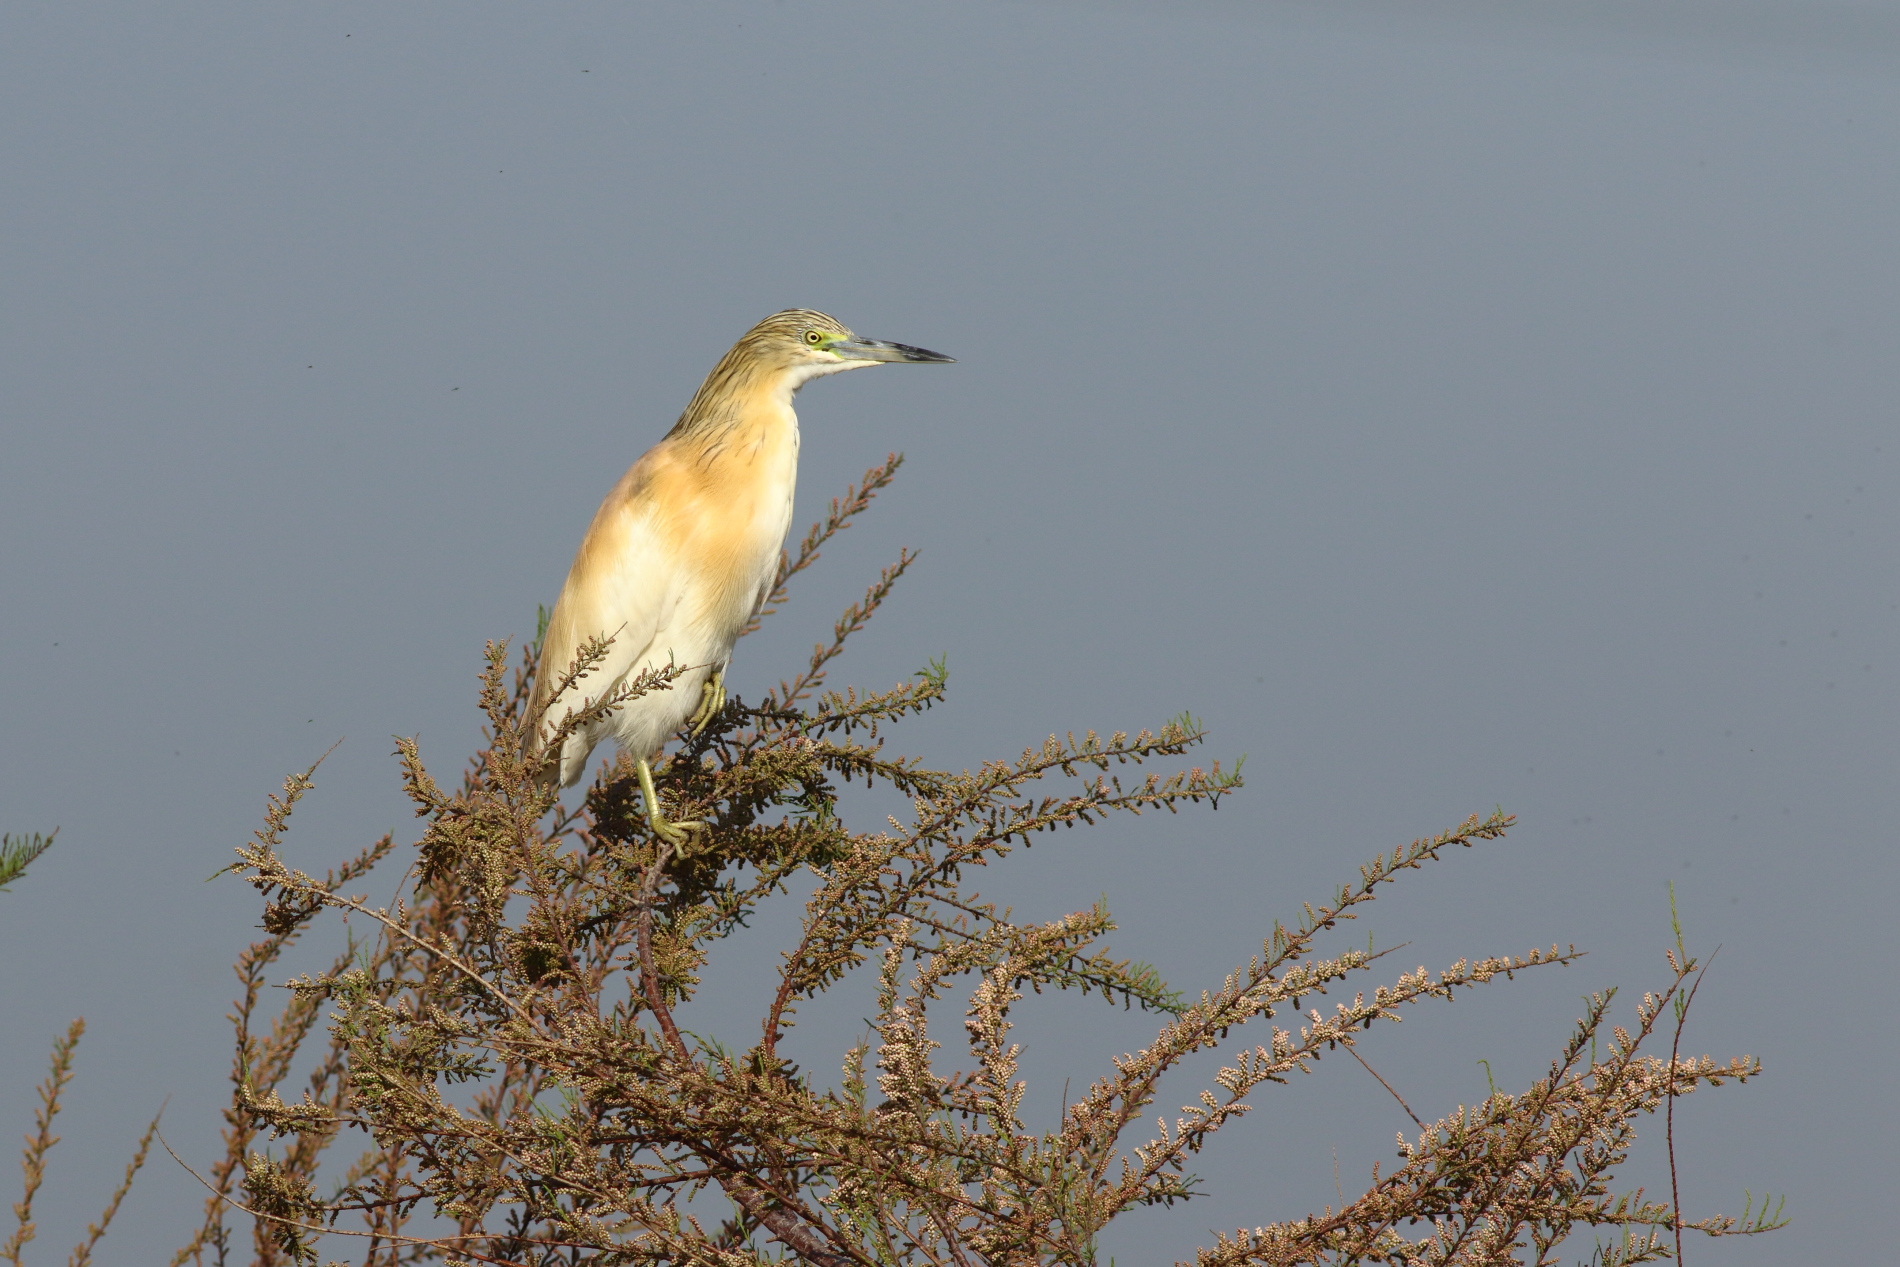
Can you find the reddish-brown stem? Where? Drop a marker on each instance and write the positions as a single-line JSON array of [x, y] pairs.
[[795, 1233], [1388, 1086], [1669, 1110]]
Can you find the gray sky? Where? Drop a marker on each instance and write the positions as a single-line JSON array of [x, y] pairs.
[[1455, 404]]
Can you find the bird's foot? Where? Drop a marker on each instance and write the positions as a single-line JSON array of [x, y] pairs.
[[679, 835], [712, 698], [676, 834]]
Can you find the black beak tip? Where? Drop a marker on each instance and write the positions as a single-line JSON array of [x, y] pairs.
[[925, 356]]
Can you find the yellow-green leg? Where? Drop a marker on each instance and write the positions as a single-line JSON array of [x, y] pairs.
[[672, 833], [712, 698]]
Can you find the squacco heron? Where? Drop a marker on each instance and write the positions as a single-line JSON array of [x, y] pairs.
[[686, 547]]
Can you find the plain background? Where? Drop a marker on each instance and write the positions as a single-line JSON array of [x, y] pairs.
[[1455, 404]]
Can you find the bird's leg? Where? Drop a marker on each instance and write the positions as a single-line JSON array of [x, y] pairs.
[[712, 698], [673, 833]]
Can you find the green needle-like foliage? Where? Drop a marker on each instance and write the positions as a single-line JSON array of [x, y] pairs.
[[507, 1040], [17, 853]]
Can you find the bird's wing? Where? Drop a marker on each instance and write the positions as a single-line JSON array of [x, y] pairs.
[[623, 584]]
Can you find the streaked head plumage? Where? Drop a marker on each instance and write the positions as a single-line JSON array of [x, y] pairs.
[[811, 343], [778, 356]]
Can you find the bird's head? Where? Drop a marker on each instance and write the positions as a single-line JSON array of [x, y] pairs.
[[804, 345]]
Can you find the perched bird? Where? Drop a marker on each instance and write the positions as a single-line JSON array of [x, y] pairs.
[[686, 547]]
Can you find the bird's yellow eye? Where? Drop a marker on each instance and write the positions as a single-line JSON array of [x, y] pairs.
[[814, 337]]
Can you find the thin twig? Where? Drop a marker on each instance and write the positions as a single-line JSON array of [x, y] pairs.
[[448, 957], [843, 510], [1382, 1082], [82, 1253], [1669, 1110], [321, 1230], [40, 1143]]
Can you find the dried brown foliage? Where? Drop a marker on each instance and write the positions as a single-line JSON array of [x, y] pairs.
[[39, 1145], [505, 1040]]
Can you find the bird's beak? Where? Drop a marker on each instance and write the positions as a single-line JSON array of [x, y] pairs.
[[878, 350]]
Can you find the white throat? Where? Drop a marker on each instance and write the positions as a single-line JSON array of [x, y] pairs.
[[799, 375]]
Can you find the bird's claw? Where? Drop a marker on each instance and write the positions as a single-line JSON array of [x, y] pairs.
[[676, 834]]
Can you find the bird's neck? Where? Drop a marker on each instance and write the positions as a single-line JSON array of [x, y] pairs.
[[732, 395], [745, 389], [749, 418]]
